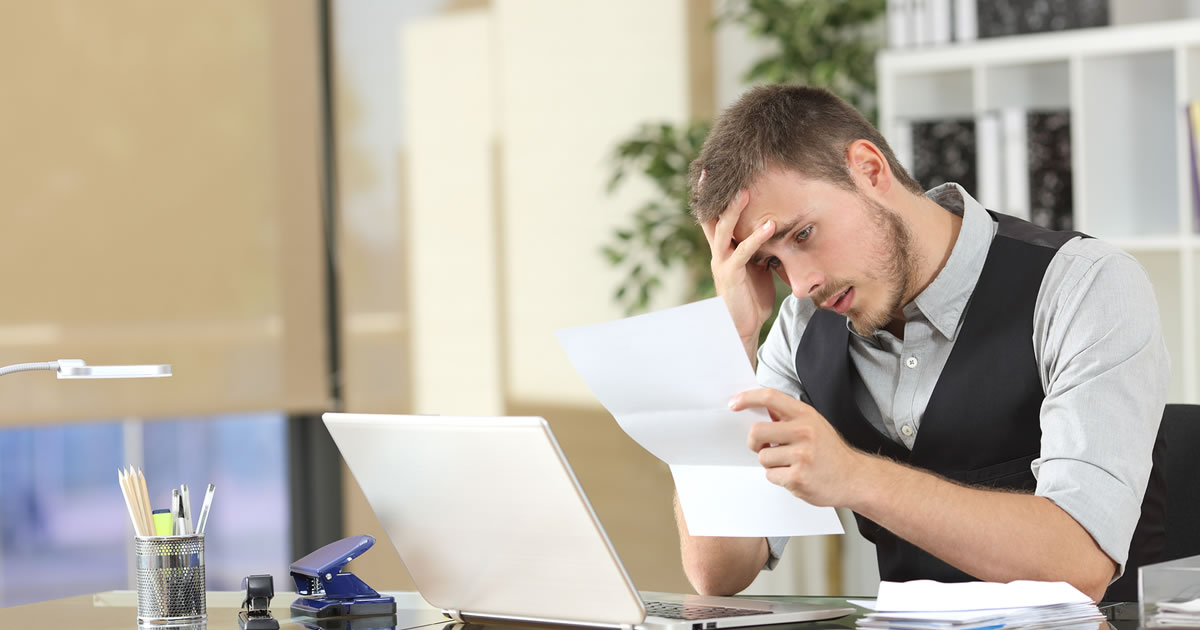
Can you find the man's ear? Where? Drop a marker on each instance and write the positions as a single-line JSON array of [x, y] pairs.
[[869, 167]]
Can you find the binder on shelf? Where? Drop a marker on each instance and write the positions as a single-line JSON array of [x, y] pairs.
[[943, 150], [1016, 162], [1000, 18], [913, 23], [966, 26], [1036, 155], [1013, 160], [990, 162], [920, 21], [899, 23], [1051, 195], [939, 24]]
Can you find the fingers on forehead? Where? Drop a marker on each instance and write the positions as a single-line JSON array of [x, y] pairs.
[[733, 211], [740, 199]]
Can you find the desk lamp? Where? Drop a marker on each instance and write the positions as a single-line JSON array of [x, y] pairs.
[[76, 368]]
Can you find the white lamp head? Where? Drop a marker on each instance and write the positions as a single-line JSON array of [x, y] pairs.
[[76, 368]]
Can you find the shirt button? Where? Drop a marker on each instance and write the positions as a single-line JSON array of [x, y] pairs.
[[911, 362], [907, 430]]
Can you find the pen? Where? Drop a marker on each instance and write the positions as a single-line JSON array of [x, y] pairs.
[[208, 495], [176, 513], [186, 497]]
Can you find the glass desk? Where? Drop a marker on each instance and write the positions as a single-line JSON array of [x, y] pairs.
[[117, 610]]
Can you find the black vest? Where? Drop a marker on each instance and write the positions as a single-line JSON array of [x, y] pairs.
[[982, 425]]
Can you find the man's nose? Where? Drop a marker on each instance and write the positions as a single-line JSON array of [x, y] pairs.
[[804, 282]]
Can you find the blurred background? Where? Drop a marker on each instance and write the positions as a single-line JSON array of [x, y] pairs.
[[358, 205]]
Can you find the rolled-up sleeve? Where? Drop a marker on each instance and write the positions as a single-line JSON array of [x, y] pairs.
[[1105, 371]]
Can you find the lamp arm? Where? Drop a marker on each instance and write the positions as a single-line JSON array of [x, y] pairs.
[[29, 367]]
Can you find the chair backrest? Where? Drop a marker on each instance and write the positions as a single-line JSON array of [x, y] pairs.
[[1170, 525], [1181, 431]]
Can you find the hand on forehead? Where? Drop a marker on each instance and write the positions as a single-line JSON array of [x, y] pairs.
[[741, 221]]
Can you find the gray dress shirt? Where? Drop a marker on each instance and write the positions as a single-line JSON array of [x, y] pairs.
[[1100, 354]]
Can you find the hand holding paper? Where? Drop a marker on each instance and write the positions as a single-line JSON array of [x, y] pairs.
[[667, 378]]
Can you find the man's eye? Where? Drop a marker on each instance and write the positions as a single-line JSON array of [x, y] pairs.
[[803, 235], [771, 263]]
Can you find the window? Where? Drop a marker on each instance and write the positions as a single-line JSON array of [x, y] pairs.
[[64, 529]]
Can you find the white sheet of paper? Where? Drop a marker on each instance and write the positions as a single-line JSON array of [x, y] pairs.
[[1192, 607], [929, 596], [667, 378]]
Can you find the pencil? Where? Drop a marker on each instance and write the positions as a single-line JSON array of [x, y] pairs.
[[128, 505], [133, 501], [135, 488], [136, 495], [147, 513]]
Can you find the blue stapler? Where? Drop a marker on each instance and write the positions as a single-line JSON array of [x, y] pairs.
[[328, 592]]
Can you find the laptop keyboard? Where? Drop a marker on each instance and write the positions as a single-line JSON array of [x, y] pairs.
[[673, 610]]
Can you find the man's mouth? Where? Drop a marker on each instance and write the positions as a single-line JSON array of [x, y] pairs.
[[841, 302]]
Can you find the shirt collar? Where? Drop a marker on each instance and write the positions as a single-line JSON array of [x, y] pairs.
[[945, 300]]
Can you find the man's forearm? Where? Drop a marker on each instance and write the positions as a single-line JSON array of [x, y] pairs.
[[992, 535], [717, 565], [751, 346]]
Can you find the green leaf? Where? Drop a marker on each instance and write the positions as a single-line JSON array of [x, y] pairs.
[[614, 257]]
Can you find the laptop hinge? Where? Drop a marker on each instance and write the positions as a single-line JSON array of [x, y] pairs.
[[460, 616]]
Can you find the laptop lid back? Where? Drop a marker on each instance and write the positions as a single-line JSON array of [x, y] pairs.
[[487, 516]]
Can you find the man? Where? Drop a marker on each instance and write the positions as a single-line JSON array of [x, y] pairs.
[[982, 393]]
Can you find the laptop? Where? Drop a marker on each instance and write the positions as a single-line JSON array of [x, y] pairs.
[[492, 525]]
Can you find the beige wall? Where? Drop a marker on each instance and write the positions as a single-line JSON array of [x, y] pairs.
[[160, 203], [575, 77]]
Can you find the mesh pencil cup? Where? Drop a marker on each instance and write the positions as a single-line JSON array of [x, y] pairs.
[[170, 580]]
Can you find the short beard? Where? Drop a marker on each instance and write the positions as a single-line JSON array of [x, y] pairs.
[[899, 262]]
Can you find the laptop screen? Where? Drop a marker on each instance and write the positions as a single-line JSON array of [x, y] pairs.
[[487, 516]]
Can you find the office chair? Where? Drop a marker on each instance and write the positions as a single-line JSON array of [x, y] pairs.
[[1181, 430], [1177, 471]]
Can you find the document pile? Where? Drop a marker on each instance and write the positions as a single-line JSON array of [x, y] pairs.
[[929, 605], [1171, 614]]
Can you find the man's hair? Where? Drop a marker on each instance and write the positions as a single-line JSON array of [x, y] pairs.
[[791, 127]]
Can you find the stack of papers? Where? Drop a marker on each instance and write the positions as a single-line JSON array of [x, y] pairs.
[[929, 605], [1176, 615]]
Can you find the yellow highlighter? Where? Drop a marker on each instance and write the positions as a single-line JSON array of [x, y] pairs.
[[162, 522]]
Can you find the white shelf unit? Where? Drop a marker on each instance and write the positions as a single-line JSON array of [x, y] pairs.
[[1126, 88]]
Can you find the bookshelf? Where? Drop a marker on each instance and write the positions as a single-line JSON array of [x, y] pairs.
[[1126, 88]]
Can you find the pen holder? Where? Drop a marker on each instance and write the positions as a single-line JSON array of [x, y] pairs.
[[170, 580]]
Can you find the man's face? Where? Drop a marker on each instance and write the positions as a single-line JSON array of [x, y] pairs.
[[844, 251]]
